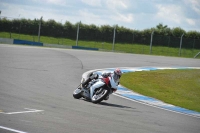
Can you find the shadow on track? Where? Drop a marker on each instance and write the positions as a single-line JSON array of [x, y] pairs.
[[111, 105], [115, 105]]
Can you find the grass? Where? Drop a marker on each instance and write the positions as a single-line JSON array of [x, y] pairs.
[[177, 87], [119, 47]]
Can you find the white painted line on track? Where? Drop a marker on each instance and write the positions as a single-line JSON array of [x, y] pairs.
[[13, 130], [20, 112], [154, 105]]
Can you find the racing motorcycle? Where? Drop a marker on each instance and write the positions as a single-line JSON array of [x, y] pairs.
[[99, 94]]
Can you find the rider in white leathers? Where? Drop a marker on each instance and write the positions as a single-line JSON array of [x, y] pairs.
[[111, 79]]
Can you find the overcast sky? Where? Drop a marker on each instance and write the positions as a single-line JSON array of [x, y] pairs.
[[133, 14]]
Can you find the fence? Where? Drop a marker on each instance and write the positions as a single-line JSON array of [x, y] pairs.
[[114, 41]]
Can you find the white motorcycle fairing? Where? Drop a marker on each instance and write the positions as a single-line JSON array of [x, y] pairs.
[[96, 85]]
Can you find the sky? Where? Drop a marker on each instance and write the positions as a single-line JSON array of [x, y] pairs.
[[132, 14]]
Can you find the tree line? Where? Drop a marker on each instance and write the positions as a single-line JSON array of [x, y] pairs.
[[92, 32]]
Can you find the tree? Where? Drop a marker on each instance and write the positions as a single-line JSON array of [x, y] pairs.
[[162, 30], [69, 30], [193, 34], [106, 32], [160, 26], [178, 32]]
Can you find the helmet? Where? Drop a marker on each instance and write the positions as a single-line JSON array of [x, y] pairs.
[[117, 74]]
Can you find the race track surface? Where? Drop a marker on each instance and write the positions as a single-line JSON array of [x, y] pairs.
[[36, 86]]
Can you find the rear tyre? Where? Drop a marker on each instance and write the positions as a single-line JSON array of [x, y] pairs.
[[77, 93], [100, 95]]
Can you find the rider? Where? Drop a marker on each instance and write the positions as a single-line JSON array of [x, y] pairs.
[[110, 79]]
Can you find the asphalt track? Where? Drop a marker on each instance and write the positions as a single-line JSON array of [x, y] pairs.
[[36, 86]]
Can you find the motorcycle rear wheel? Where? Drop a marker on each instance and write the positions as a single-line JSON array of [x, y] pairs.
[[77, 93], [98, 97]]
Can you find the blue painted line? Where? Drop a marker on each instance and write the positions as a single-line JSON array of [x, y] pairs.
[[122, 91], [183, 68], [179, 109], [84, 48], [138, 97], [149, 68], [126, 71], [121, 88]]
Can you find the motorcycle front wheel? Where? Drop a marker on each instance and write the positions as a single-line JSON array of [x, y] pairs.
[[99, 95], [77, 93]]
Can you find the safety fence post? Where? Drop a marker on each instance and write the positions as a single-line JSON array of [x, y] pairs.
[[151, 41], [181, 44]]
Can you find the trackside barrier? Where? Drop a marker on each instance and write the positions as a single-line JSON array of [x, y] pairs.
[[24, 42], [17, 41], [84, 48], [6, 40], [57, 46]]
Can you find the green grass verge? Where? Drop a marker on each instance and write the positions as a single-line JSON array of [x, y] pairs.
[[177, 87], [119, 47]]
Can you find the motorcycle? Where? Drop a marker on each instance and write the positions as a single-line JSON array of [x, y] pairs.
[[99, 94]]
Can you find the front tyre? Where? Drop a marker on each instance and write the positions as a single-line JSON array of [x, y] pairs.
[[100, 95], [77, 93]]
